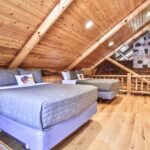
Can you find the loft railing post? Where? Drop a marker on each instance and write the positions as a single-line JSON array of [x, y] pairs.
[[129, 84]]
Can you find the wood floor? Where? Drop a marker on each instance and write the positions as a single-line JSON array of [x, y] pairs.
[[123, 124]]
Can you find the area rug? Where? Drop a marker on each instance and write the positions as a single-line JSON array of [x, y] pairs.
[[3, 146]]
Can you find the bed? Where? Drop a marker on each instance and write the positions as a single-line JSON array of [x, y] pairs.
[[42, 115], [107, 88]]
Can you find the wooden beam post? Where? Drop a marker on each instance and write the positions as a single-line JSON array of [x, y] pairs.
[[132, 38], [40, 32], [129, 83], [126, 69], [108, 34]]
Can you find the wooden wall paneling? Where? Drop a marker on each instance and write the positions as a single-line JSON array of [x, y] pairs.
[[109, 34], [52, 79]]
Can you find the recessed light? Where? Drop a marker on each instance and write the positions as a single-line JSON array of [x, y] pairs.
[[111, 44], [148, 14], [89, 24]]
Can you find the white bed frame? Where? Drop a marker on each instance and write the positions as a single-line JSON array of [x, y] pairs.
[[45, 139]]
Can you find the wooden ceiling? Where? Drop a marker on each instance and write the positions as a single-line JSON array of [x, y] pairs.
[[67, 39], [18, 21]]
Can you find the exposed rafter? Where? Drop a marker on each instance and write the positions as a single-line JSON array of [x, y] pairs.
[[126, 69], [135, 36], [121, 66], [108, 34], [40, 32]]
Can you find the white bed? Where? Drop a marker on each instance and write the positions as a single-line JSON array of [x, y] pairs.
[[16, 118], [107, 88]]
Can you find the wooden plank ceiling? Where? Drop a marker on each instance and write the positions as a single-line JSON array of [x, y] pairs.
[[119, 38], [67, 39], [18, 21]]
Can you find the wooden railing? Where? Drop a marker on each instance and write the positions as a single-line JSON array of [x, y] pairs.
[[130, 83]]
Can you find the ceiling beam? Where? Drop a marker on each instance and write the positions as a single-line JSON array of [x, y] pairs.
[[126, 69], [121, 66], [132, 38], [40, 32], [108, 34]]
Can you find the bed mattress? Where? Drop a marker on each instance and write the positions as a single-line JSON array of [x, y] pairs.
[[101, 84], [43, 106]]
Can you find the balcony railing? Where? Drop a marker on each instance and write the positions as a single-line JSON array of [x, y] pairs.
[[130, 83]]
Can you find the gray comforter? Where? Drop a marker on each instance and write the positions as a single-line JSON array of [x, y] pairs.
[[45, 105], [101, 84]]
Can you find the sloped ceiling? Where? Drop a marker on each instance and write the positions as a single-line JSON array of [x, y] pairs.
[[18, 21], [67, 39], [126, 52], [118, 38]]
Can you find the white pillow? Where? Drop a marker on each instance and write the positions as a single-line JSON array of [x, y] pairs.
[[80, 76], [66, 75], [25, 79]]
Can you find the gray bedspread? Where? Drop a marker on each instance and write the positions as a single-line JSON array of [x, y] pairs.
[[101, 84], [45, 105]]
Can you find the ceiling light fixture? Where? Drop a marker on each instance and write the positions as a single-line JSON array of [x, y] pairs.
[[148, 14], [111, 44], [89, 24]]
